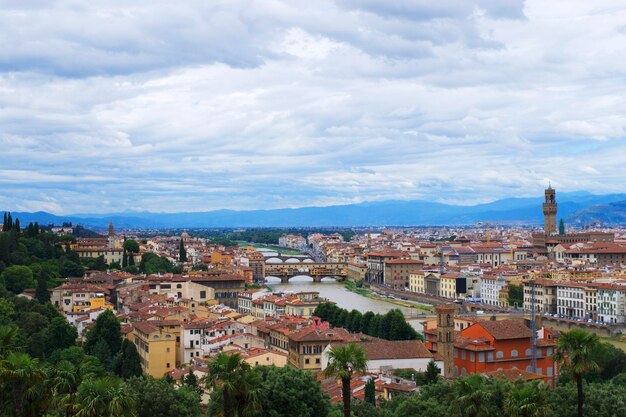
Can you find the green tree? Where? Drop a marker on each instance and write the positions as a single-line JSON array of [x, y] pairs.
[[17, 278], [516, 295], [20, 372], [573, 351], [182, 253], [432, 372], [131, 246], [471, 397], [60, 335], [293, 392], [7, 311], [104, 397], [528, 400], [343, 362], [127, 362], [63, 383], [235, 385], [370, 391], [191, 381], [365, 322], [8, 341], [104, 339], [41, 293], [159, 398]]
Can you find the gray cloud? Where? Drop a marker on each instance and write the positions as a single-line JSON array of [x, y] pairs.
[[245, 104]]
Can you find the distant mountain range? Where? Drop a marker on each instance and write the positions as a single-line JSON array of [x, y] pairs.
[[575, 207]]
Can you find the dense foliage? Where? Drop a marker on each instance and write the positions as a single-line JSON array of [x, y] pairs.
[[30, 253], [390, 326]]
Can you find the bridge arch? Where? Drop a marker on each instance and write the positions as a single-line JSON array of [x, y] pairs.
[[292, 261], [273, 260]]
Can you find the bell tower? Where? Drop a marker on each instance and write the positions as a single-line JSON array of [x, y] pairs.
[[445, 337], [549, 211]]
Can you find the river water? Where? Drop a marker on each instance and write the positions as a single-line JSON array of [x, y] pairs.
[[337, 292]]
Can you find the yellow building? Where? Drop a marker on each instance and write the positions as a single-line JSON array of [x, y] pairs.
[[301, 308], [307, 345], [416, 282], [256, 356], [448, 285], [157, 343]]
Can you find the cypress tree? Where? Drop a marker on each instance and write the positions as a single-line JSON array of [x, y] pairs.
[[125, 259], [183, 253], [370, 392], [17, 225], [41, 293], [128, 362], [561, 227], [191, 380], [9, 222], [4, 222], [36, 228]]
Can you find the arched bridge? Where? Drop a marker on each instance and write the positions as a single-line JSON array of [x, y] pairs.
[[316, 270]]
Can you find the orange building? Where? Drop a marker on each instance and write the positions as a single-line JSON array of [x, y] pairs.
[[488, 346]]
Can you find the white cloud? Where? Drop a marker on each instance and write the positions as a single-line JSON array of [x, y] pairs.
[[242, 104]]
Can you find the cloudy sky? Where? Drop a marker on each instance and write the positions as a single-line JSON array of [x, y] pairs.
[[108, 106]]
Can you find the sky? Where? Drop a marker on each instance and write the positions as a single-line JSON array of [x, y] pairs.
[[167, 106]]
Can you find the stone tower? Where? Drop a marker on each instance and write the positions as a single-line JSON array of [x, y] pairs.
[[445, 337], [111, 240], [549, 211]]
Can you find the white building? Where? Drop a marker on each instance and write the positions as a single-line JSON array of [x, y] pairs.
[[490, 286], [571, 300], [611, 303]]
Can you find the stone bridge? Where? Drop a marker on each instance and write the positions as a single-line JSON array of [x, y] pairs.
[[316, 270]]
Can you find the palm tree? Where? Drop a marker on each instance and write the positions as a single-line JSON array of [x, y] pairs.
[[472, 399], [21, 372], [573, 351], [343, 362], [8, 340], [64, 382], [527, 400], [235, 385], [104, 397]]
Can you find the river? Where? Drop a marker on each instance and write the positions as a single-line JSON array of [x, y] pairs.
[[337, 292]]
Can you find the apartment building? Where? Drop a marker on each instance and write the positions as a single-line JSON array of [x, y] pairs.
[[490, 286], [157, 342], [571, 300], [611, 303], [398, 271]]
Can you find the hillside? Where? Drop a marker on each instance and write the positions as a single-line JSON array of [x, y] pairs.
[[578, 207]]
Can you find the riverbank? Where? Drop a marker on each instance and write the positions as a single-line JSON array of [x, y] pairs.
[[619, 342], [283, 251], [353, 287]]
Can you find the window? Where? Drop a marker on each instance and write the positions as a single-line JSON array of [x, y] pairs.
[[514, 353], [307, 361], [202, 294], [481, 357], [499, 354], [167, 365]]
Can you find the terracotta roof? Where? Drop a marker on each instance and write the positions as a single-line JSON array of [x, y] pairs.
[[395, 349], [514, 375], [505, 329]]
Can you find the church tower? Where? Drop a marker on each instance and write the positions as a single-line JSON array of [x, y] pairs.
[[111, 235], [549, 211], [445, 337]]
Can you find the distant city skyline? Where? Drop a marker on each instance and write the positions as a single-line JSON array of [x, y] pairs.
[[200, 106]]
